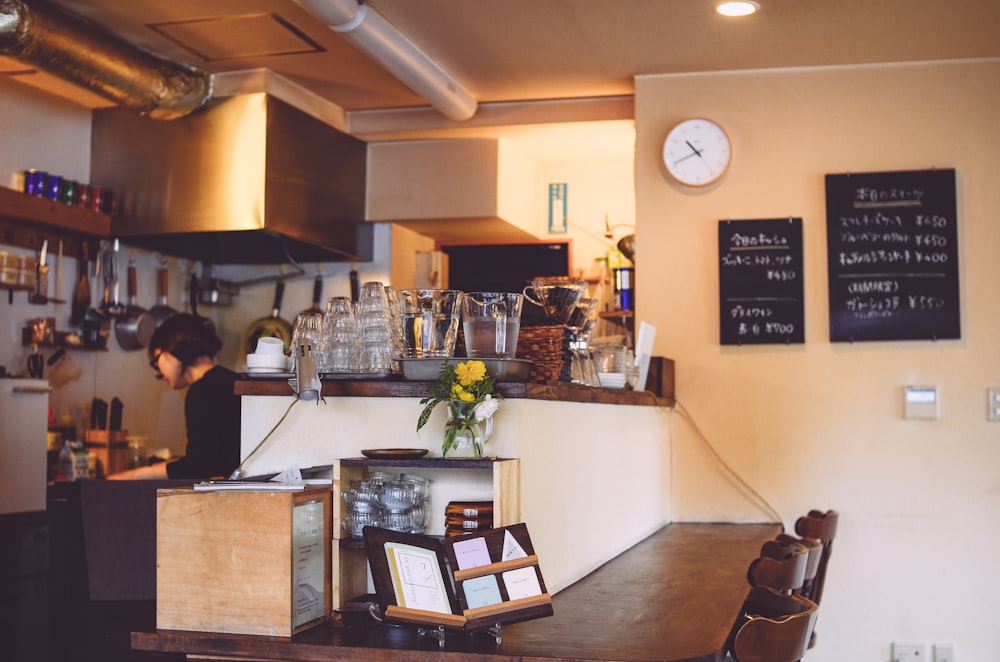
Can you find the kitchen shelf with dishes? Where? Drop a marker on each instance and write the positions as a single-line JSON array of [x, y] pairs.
[[27, 220], [500, 476]]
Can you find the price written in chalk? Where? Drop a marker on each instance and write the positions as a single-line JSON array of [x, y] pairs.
[[760, 282]]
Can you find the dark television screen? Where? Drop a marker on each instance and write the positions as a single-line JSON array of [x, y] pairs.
[[504, 267]]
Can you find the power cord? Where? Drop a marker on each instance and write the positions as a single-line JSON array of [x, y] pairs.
[[238, 473], [759, 500]]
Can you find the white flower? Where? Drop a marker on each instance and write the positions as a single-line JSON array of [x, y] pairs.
[[486, 408]]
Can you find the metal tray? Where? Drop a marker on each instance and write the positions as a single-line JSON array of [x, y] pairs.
[[502, 370]]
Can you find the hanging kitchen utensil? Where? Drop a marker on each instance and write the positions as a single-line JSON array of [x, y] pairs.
[[81, 295], [36, 363], [355, 284], [193, 302], [317, 293], [272, 326], [161, 310], [108, 267], [135, 327]]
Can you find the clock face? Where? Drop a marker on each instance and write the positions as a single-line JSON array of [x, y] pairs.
[[697, 152]]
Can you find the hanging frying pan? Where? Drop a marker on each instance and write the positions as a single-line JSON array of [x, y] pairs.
[[272, 326], [135, 327], [161, 310], [317, 293]]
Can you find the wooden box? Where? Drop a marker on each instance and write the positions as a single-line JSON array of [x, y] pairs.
[[245, 562]]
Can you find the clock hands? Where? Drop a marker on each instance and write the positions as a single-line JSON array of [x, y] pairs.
[[694, 152]]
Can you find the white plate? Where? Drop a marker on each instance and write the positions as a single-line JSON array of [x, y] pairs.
[[265, 370]]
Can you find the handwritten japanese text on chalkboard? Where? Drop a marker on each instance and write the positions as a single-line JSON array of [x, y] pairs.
[[760, 281], [892, 256]]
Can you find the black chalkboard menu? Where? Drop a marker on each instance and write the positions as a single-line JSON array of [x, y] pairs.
[[760, 282], [892, 243]]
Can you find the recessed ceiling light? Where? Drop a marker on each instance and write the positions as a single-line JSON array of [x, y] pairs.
[[741, 8]]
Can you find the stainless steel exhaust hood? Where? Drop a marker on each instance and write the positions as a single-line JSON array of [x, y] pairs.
[[247, 180]]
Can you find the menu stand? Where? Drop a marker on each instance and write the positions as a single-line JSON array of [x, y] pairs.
[[470, 583]]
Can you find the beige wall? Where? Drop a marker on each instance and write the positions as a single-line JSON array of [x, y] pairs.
[[819, 425]]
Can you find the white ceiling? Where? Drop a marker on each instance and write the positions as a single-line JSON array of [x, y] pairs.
[[530, 54]]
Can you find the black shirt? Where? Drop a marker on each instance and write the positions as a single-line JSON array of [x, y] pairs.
[[212, 414]]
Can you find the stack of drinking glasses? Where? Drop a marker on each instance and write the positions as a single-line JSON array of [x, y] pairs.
[[340, 326], [398, 503], [308, 330], [375, 327]]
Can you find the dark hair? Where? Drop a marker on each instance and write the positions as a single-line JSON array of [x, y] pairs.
[[185, 336]]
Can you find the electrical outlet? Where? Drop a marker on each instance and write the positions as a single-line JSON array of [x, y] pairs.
[[993, 404], [909, 652], [944, 652]]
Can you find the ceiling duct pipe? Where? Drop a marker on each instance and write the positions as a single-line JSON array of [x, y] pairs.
[[67, 46], [380, 40]]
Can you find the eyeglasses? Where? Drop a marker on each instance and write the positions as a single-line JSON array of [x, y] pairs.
[[154, 363]]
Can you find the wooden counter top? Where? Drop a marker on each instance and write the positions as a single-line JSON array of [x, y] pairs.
[[672, 597], [555, 391]]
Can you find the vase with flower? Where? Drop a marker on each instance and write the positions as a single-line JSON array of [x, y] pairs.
[[469, 392]]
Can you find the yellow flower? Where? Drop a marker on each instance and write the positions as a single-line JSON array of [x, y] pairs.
[[470, 372], [459, 393]]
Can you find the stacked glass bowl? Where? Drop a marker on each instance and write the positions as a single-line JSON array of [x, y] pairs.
[[394, 502]]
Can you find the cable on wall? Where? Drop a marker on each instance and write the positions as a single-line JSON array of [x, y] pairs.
[[754, 496]]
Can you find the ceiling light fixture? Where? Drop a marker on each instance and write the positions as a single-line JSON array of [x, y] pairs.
[[741, 8], [380, 40]]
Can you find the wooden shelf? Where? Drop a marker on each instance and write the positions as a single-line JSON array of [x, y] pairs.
[[555, 391], [27, 220]]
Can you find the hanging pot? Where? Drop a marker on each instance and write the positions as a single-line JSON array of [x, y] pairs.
[[272, 326], [135, 327]]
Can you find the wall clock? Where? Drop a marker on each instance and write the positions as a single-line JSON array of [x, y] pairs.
[[697, 152]]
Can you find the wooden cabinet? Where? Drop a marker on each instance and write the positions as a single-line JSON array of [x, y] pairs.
[[500, 477]]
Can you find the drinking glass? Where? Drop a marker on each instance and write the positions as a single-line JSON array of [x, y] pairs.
[[491, 321], [376, 354], [430, 322], [308, 330], [340, 326]]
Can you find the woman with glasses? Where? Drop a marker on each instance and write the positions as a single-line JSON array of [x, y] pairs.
[[182, 352]]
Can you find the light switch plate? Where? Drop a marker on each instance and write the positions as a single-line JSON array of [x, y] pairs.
[[993, 404], [921, 403]]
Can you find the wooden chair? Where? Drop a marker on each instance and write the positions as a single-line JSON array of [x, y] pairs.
[[815, 552], [773, 627], [822, 528], [780, 567]]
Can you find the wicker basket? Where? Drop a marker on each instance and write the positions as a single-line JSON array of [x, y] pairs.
[[546, 347]]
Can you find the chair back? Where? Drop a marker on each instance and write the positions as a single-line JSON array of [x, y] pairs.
[[773, 627], [781, 566], [815, 551], [821, 527]]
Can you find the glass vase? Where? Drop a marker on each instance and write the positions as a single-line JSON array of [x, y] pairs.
[[464, 436]]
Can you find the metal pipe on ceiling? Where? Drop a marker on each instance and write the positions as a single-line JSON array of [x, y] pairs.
[[52, 40], [380, 40]]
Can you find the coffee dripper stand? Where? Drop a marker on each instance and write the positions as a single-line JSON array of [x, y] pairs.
[[562, 299], [581, 325]]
